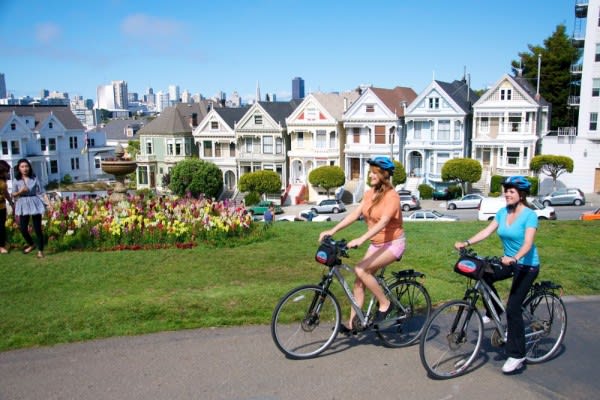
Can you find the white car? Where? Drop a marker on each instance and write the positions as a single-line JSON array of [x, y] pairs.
[[490, 205], [305, 215], [430, 215], [467, 201]]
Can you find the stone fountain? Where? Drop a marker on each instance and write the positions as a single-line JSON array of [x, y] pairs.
[[120, 168]]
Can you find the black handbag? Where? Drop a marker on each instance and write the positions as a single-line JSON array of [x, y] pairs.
[[469, 266]]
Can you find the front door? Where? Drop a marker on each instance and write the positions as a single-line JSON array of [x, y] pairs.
[[354, 168]]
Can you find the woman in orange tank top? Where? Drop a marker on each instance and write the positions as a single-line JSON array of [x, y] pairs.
[[381, 210]]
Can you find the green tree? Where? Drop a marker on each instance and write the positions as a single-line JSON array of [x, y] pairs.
[[196, 177], [399, 174], [462, 170], [261, 182], [551, 165], [327, 177], [556, 80], [133, 148]]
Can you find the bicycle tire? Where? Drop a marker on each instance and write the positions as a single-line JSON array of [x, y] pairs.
[[410, 322], [305, 322], [444, 352], [545, 318]]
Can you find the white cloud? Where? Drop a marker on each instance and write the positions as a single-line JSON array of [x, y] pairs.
[[143, 26], [47, 33]]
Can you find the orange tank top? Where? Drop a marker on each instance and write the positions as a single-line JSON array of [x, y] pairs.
[[389, 205]]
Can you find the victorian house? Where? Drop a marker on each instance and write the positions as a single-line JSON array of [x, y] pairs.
[[53, 140], [438, 128], [216, 141], [509, 121], [317, 138], [167, 140], [373, 128], [262, 139]]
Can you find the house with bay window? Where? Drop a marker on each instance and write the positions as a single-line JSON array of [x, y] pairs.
[[53, 140], [216, 141], [262, 139], [317, 138], [509, 121], [373, 126], [167, 140], [438, 128]]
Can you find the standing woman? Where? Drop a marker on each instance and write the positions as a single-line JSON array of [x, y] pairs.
[[381, 209], [4, 197], [516, 225], [29, 205]]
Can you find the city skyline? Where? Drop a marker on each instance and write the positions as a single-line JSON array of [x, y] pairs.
[[215, 47]]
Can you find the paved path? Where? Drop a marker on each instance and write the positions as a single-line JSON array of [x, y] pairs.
[[243, 363]]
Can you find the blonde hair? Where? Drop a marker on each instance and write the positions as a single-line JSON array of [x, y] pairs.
[[384, 184]]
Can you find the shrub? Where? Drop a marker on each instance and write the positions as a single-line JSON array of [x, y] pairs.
[[425, 191], [251, 198], [66, 180]]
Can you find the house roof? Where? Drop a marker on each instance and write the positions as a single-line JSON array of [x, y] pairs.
[[41, 113], [231, 115], [115, 129], [393, 98], [280, 110], [523, 83], [177, 119], [461, 93], [334, 102]]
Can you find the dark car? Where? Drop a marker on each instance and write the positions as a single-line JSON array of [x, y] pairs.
[[441, 194]]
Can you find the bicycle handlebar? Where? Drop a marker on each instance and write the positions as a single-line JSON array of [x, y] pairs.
[[494, 260], [340, 245]]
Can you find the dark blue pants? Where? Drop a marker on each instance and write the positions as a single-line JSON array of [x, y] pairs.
[[37, 227]]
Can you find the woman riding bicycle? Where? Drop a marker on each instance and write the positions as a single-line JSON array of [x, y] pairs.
[[516, 225], [380, 208]]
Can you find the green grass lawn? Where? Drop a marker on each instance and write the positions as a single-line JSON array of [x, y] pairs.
[[74, 296]]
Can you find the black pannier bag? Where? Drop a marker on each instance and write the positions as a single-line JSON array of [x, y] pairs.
[[469, 266]]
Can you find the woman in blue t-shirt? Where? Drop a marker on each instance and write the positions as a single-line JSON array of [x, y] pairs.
[[516, 225]]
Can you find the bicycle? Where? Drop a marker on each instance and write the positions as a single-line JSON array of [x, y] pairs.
[[452, 337], [307, 319]]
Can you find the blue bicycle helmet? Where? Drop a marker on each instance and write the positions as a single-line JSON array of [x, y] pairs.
[[384, 163], [518, 182]]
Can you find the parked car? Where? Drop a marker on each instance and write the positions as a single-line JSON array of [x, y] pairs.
[[467, 201], [566, 196], [441, 194], [329, 206], [490, 205], [591, 216], [305, 215], [430, 215], [262, 206], [409, 202]]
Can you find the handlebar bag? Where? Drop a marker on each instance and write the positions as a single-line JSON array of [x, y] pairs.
[[471, 267], [326, 254]]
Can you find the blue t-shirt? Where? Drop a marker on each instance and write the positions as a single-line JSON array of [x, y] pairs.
[[513, 236]]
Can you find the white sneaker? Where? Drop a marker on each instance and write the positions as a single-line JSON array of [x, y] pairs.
[[486, 320], [512, 364]]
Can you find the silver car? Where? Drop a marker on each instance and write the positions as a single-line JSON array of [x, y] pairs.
[[564, 197], [329, 206], [409, 202], [467, 201]]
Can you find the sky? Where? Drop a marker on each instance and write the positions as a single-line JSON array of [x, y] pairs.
[[211, 46]]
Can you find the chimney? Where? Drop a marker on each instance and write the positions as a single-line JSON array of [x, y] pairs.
[[345, 104]]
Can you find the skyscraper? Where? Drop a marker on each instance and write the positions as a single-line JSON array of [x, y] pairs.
[[297, 88], [2, 87]]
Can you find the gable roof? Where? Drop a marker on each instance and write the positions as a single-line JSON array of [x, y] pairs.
[[460, 92], [231, 115], [394, 98], [115, 129], [280, 110], [528, 87], [334, 102], [176, 119], [519, 83], [41, 113]]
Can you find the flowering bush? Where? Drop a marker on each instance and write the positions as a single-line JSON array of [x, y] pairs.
[[141, 222]]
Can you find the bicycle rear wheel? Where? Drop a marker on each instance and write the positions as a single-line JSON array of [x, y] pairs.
[[305, 322], [410, 319], [545, 320], [451, 340]]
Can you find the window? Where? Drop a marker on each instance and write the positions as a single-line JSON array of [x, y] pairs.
[[148, 146], [4, 148], [214, 125], [43, 146], [258, 120], [278, 146], [356, 135], [54, 167], [267, 145], [370, 108], [75, 163], [441, 160], [50, 125], [231, 150], [170, 147], [217, 149], [300, 139], [597, 52], [418, 127], [332, 141], [457, 130], [595, 87], [143, 175], [15, 147], [444, 130], [593, 121], [321, 139], [73, 142], [514, 122], [97, 163], [13, 126], [379, 134], [248, 145], [207, 145], [505, 94], [512, 156], [484, 124], [434, 103], [178, 148]]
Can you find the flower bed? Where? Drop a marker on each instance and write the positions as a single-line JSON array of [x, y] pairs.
[[141, 222]]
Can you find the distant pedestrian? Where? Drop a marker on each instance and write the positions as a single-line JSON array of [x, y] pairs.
[[270, 214], [4, 197], [30, 203]]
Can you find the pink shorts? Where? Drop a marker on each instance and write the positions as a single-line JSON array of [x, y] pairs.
[[396, 246]]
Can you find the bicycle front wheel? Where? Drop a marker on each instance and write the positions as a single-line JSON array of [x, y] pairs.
[[545, 319], [451, 340], [305, 322], [410, 317]]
